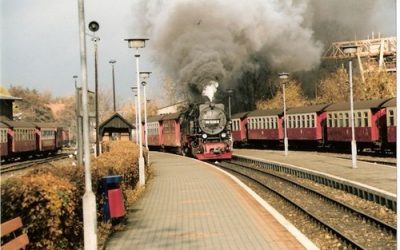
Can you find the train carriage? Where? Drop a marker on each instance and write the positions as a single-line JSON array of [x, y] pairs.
[[3, 140], [239, 128], [22, 138], [265, 126], [306, 124], [391, 122], [368, 117], [50, 137], [171, 133], [154, 134]]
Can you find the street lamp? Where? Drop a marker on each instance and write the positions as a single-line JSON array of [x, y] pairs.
[[134, 90], [89, 198], [137, 43], [351, 50], [112, 61], [94, 26], [284, 76], [144, 76]]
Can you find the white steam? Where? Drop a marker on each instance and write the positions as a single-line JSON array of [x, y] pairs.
[[210, 90]]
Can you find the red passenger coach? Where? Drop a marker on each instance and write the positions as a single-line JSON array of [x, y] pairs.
[[265, 126], [239, 128], [171, 134], [391, 121], [368, 117], [22, 137], [3, 140], [154, 135], [306, 124]]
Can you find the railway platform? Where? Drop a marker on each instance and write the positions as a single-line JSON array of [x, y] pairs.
[[372, 175], [194, 205]]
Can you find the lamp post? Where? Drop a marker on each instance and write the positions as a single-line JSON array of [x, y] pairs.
[[230, 92], [78, 137], [284, 76], [144, 76], [134, 90], [137, 43], [94, 26], [351, 50], [112, 62], [89, 199]]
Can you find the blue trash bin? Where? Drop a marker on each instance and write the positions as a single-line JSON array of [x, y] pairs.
[[113, 206]]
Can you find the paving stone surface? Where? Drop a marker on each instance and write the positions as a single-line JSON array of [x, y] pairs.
[[188, 205]]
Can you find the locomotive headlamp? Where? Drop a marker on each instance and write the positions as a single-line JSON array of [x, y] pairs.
[[204, 136], [223, 135]]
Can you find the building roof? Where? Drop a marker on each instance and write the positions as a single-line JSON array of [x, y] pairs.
[[265, 112], [307, 109], [369, 104], [116, 121], [11, 98]]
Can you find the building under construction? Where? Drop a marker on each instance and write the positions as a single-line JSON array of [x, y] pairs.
[[371, 53]]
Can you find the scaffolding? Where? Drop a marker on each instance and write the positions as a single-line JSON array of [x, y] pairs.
[[371, 53]]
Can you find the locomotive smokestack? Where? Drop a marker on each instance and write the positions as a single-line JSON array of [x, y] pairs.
[[210, 90]]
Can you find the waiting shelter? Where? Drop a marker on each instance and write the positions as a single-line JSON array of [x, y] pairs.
[[116, 128]]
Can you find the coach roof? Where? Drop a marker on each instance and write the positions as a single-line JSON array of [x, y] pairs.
[[369, 104], [172, 116], [19, 124], [390, 103], [265, 112], [154, 118], [307, 109], [239, 115]]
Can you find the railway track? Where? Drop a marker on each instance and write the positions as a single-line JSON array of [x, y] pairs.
[[353, 228], [17, 166]]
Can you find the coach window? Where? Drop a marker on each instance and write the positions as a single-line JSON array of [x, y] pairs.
[[340, 120], [358, 119], [365, 118], [391, 121], [313, 121]]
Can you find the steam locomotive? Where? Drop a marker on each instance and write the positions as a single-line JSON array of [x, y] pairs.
[[202, 131]]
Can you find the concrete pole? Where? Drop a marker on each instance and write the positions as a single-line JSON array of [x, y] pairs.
[[285, 139], [145, 122], [79, 149], [89, 199], [353, 140], [96, 97], [141, 159]]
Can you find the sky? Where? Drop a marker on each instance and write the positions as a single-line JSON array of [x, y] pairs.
[[40, 46], [39, 39]]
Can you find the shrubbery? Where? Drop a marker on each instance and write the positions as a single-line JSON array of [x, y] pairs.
[[49, 200]]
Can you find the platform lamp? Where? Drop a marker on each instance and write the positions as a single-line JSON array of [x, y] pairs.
[[351, 50], [137, 43], [283, 77], [112, 62], [94, 27], [144, 75], [89, 198]]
